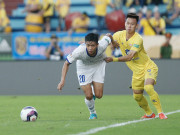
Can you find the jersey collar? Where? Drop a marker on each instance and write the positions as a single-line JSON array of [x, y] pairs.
[[90, 55]]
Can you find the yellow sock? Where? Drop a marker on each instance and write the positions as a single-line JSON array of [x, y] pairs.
[[154, 97], [141, 100]]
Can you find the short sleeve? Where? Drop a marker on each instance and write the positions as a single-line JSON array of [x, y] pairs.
[[74, 55], [137, 45], [116, 36]]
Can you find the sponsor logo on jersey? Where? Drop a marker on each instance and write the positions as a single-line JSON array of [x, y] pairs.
[[135, 45]]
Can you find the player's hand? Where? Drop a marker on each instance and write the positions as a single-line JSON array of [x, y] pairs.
[[60, 86], [108, 34], [108, 59]]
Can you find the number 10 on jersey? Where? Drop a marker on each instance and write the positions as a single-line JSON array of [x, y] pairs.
[[82, 78]]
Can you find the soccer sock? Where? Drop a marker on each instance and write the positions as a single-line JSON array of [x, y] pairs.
[[90, 105], [154, 97], [141, 100]]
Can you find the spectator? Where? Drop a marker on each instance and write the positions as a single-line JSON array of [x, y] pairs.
[[145, 23], [34, 18], [4, 20], [47, 13], [53, 51], [62, 7], [118, 4], [169, 8], [100, 11], [33, 6], [158, 24], [166, 48], [176, 11], [80, 24]]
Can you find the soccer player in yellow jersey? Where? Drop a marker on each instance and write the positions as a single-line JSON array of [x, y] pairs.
[[144, 69]]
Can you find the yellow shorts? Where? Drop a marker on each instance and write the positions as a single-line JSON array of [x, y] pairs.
[[138, 80]]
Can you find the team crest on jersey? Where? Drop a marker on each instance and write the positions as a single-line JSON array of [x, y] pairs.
[[149, 70]]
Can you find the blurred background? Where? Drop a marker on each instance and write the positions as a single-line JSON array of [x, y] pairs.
[[27, 27], [33, 33]]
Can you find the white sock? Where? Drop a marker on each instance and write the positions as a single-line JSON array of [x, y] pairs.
[[90, 105]]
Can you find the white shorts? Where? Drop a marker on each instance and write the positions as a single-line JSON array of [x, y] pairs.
[[89, 73]]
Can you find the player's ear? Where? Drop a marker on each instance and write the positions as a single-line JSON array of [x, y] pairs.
[[137, 25]]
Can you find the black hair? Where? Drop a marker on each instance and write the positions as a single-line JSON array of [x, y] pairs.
[[92, 37], [133, 15], [85, 13]]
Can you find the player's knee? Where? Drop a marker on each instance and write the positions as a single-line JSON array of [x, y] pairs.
[[89, 97], [138, 97], [99, 96], [149, 89]]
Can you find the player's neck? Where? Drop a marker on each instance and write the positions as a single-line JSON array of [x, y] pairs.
[[129, 35]]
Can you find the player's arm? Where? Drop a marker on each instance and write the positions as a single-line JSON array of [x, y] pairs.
[[63, 75], [113, 42], [122, 58]]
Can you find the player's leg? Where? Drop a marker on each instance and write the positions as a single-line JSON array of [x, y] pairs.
[[98, 79], [137, 86], [150, 80], [98, 89], [85, 81], [154, 97], [89, 101]]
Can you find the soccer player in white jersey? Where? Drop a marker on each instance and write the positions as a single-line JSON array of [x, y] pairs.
[[90, 64]]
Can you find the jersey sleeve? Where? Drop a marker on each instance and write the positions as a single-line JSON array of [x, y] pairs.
[[137, 45], [116, 37], [74, 55], [104, 42]]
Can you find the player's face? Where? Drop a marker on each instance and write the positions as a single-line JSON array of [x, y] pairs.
[[91, 47], [131, 25]]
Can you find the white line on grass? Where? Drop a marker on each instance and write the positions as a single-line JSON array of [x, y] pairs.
[[95, 130]]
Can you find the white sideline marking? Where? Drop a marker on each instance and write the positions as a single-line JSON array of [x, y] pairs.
[[95, 130]]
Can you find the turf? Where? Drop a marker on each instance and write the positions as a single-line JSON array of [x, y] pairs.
[[63, 115]]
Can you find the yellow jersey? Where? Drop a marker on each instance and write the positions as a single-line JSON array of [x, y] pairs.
[[100, 6], [63, 7], [4, 20], [158, 23], [48, 12], [79, 22], [147, 29], [141, 60]]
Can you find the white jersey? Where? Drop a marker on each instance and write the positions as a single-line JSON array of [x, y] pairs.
[[81, 54]]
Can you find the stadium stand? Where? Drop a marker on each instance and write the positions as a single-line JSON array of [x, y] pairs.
[[18, 18]]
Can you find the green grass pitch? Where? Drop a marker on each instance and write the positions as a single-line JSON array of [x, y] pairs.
[[64, 115]]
